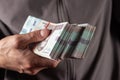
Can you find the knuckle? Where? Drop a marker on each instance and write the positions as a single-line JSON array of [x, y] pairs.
[[54, 64], [16, 40], [35, 35], [31, 36], [27, 66], [28, 63]]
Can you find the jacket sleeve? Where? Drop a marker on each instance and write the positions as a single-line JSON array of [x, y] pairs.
[[4, 30], [115, 22], [2, 35]]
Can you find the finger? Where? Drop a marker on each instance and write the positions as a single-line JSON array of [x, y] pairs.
[[36, 36], [34, 70], [45, 62]]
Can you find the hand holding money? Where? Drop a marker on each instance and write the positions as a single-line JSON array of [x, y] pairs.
[[65, 41], [16, 55]]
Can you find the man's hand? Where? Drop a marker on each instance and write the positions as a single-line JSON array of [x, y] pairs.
[[16, 55]]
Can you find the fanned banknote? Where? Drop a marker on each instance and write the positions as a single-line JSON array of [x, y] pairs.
[[65, 41]]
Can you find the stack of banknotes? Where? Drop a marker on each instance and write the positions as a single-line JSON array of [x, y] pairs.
[[65, 41]]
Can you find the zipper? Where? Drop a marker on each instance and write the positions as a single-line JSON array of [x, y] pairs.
[[62, 11], [63, 16]]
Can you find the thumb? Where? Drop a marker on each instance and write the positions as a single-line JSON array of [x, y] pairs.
[[36, 36]]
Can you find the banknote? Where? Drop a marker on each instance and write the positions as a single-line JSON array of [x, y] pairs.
[[65, 41], [45, 47]]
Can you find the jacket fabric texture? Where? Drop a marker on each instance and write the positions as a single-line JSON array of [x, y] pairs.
[[102, 60]]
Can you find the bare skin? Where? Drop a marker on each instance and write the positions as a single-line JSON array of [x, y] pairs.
[[16, 55]]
